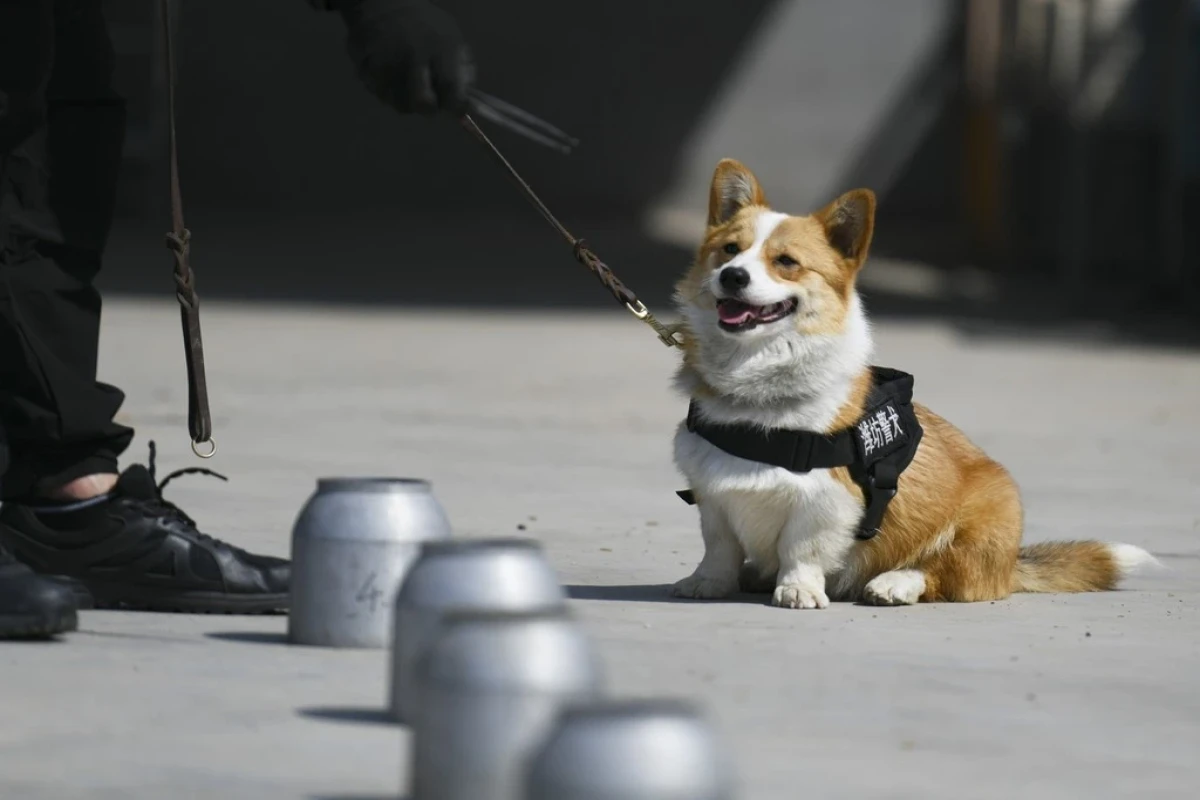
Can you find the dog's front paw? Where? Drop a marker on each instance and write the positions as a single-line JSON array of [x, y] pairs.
[[798, 595], [701, 587], [901, 587]]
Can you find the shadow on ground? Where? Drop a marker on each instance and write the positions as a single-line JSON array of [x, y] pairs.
[[650, 593], [353, 715], [249, 637], [655, 593]]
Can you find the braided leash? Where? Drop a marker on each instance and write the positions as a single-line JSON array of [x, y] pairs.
[[667, 334], [179, 242]]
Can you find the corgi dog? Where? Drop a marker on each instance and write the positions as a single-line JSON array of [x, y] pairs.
[[776, 339]]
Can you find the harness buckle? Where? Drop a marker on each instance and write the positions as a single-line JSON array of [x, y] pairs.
[[877, 498]]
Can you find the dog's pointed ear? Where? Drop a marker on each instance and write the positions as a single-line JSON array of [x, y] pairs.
[[734, 187], [849, 224]]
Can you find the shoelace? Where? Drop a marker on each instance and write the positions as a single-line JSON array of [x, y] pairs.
[[166, 506]]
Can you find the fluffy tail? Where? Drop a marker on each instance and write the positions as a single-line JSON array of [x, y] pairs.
[[1077, 566]]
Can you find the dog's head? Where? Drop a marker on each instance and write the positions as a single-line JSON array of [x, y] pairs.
[[760, 273]]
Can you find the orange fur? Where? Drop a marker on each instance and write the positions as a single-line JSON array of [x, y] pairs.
[[957, 517]]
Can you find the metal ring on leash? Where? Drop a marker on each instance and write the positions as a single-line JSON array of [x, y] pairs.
[[667, 334], [212, 450]]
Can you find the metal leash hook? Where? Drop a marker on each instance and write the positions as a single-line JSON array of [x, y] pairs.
[[667, 334], [525, 124], [212, 448]]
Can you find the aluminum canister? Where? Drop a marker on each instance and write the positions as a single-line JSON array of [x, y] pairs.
[[352, 544], [463, 575], [491, 686], [630, 750]]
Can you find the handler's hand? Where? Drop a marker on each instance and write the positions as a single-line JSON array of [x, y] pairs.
[[410, 54]]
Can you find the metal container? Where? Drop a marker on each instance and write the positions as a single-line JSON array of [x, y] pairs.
[[462, 576], [352, 544], [491, 685], [632, 750]]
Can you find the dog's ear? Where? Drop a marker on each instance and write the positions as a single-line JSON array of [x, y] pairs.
[[849, 223], [734, 187]]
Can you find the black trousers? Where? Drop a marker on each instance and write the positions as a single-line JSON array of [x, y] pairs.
[[61, 135]]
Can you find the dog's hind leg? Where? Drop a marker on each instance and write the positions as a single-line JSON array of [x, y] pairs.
[[978, 562]]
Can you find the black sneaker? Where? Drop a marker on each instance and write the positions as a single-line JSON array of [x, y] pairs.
[[32, 607], [134, 550]]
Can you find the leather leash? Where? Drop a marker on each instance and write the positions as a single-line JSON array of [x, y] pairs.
[[179, 239], [583, 254], [179, 243]]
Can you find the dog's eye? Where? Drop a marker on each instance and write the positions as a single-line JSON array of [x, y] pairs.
[[785, 261], [731, 248]]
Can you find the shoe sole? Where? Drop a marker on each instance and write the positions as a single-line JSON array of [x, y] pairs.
[[126, 598], [38, 626]]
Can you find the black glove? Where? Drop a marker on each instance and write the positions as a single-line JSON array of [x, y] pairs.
[[410, 54]]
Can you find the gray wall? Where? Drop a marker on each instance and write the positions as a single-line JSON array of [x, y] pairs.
[[299, 185]]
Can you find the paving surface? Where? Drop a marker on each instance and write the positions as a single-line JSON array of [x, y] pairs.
[[562, 424]]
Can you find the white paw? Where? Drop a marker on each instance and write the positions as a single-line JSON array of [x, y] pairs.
[[699, 587], [798, 595], [901, 587]]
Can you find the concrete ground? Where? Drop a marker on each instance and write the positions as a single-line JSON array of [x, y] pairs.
[[562, 424]]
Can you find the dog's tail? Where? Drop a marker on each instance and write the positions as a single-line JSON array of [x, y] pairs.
[[1077, 566]]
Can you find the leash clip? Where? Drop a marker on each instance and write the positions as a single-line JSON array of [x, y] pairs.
[[666, 333], [212, 448]]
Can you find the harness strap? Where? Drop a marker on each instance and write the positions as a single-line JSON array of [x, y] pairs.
[[798, 451], [179, 243], [876, 449]]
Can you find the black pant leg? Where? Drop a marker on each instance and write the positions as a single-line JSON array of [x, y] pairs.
[[57, 193]]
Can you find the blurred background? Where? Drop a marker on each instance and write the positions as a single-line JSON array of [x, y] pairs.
[[1037, 161]]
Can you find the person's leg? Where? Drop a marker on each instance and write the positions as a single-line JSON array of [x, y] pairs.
[[29, 605], [67, 512], [57, 197]]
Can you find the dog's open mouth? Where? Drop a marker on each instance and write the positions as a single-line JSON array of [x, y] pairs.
[[734, 315]]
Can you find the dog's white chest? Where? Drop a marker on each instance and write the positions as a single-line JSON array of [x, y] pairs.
[[759, 500]]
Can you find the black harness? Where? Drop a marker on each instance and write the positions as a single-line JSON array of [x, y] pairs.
[[876, 449]]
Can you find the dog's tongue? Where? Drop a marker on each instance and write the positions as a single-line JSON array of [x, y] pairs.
[[734, 312]]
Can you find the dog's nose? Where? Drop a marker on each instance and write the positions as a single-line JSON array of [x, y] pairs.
[[734, 279]]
